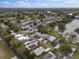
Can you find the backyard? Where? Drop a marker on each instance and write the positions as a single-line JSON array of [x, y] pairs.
[[76, 54]]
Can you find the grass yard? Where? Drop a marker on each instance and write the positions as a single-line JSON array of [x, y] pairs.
[[59, 57], [56, 34], [76, 54], [5, 52], [49, 30]]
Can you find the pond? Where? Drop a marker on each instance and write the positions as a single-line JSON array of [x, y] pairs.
[[70, 27]]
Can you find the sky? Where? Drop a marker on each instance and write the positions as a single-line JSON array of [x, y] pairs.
[[39, 3]]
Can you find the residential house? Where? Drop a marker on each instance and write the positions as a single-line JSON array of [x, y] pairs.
[[39, 51], [21, 37], [49, 55], [32, 46], [51, 38]]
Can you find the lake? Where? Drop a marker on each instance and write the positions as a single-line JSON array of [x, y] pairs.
[[70, 27]]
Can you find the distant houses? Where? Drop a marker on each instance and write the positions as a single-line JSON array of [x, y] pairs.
[[40, 43]]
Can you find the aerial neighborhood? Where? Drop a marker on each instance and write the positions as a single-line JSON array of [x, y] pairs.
[[40, 34]]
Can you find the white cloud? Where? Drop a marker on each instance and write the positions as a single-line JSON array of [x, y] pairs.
[[64, 1], [41, 3], [73, 1], [22, 4], [4, 2], [25, 0]]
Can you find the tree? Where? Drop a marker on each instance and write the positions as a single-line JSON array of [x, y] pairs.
[[21, 49], [53, 44], [28, 55], [65, 48], [77, 30], [61, 25], [8, 37], [15, 43]]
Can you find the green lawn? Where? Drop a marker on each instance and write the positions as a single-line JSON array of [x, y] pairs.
[[56, 34], [49, 30], [59, 57], [76, 54], [5, 53]]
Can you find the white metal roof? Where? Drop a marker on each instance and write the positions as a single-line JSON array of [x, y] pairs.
[[39, 51], [23, 38], [53, 56], [18, 35], [51, 38]]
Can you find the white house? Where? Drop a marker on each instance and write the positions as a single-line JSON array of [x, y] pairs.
[[49, 55], [70, 14], [77, 39], [40, 39], [13, 33], [52, 55], [39, 51], [57, 46], [18, 35], [47, 49], [56, 28], [21, 37], [27, 42], [41, 35], [51, 38]]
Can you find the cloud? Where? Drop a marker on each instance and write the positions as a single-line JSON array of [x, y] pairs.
[[22, 4], [4, 2], [72, 1], [39, 3]]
